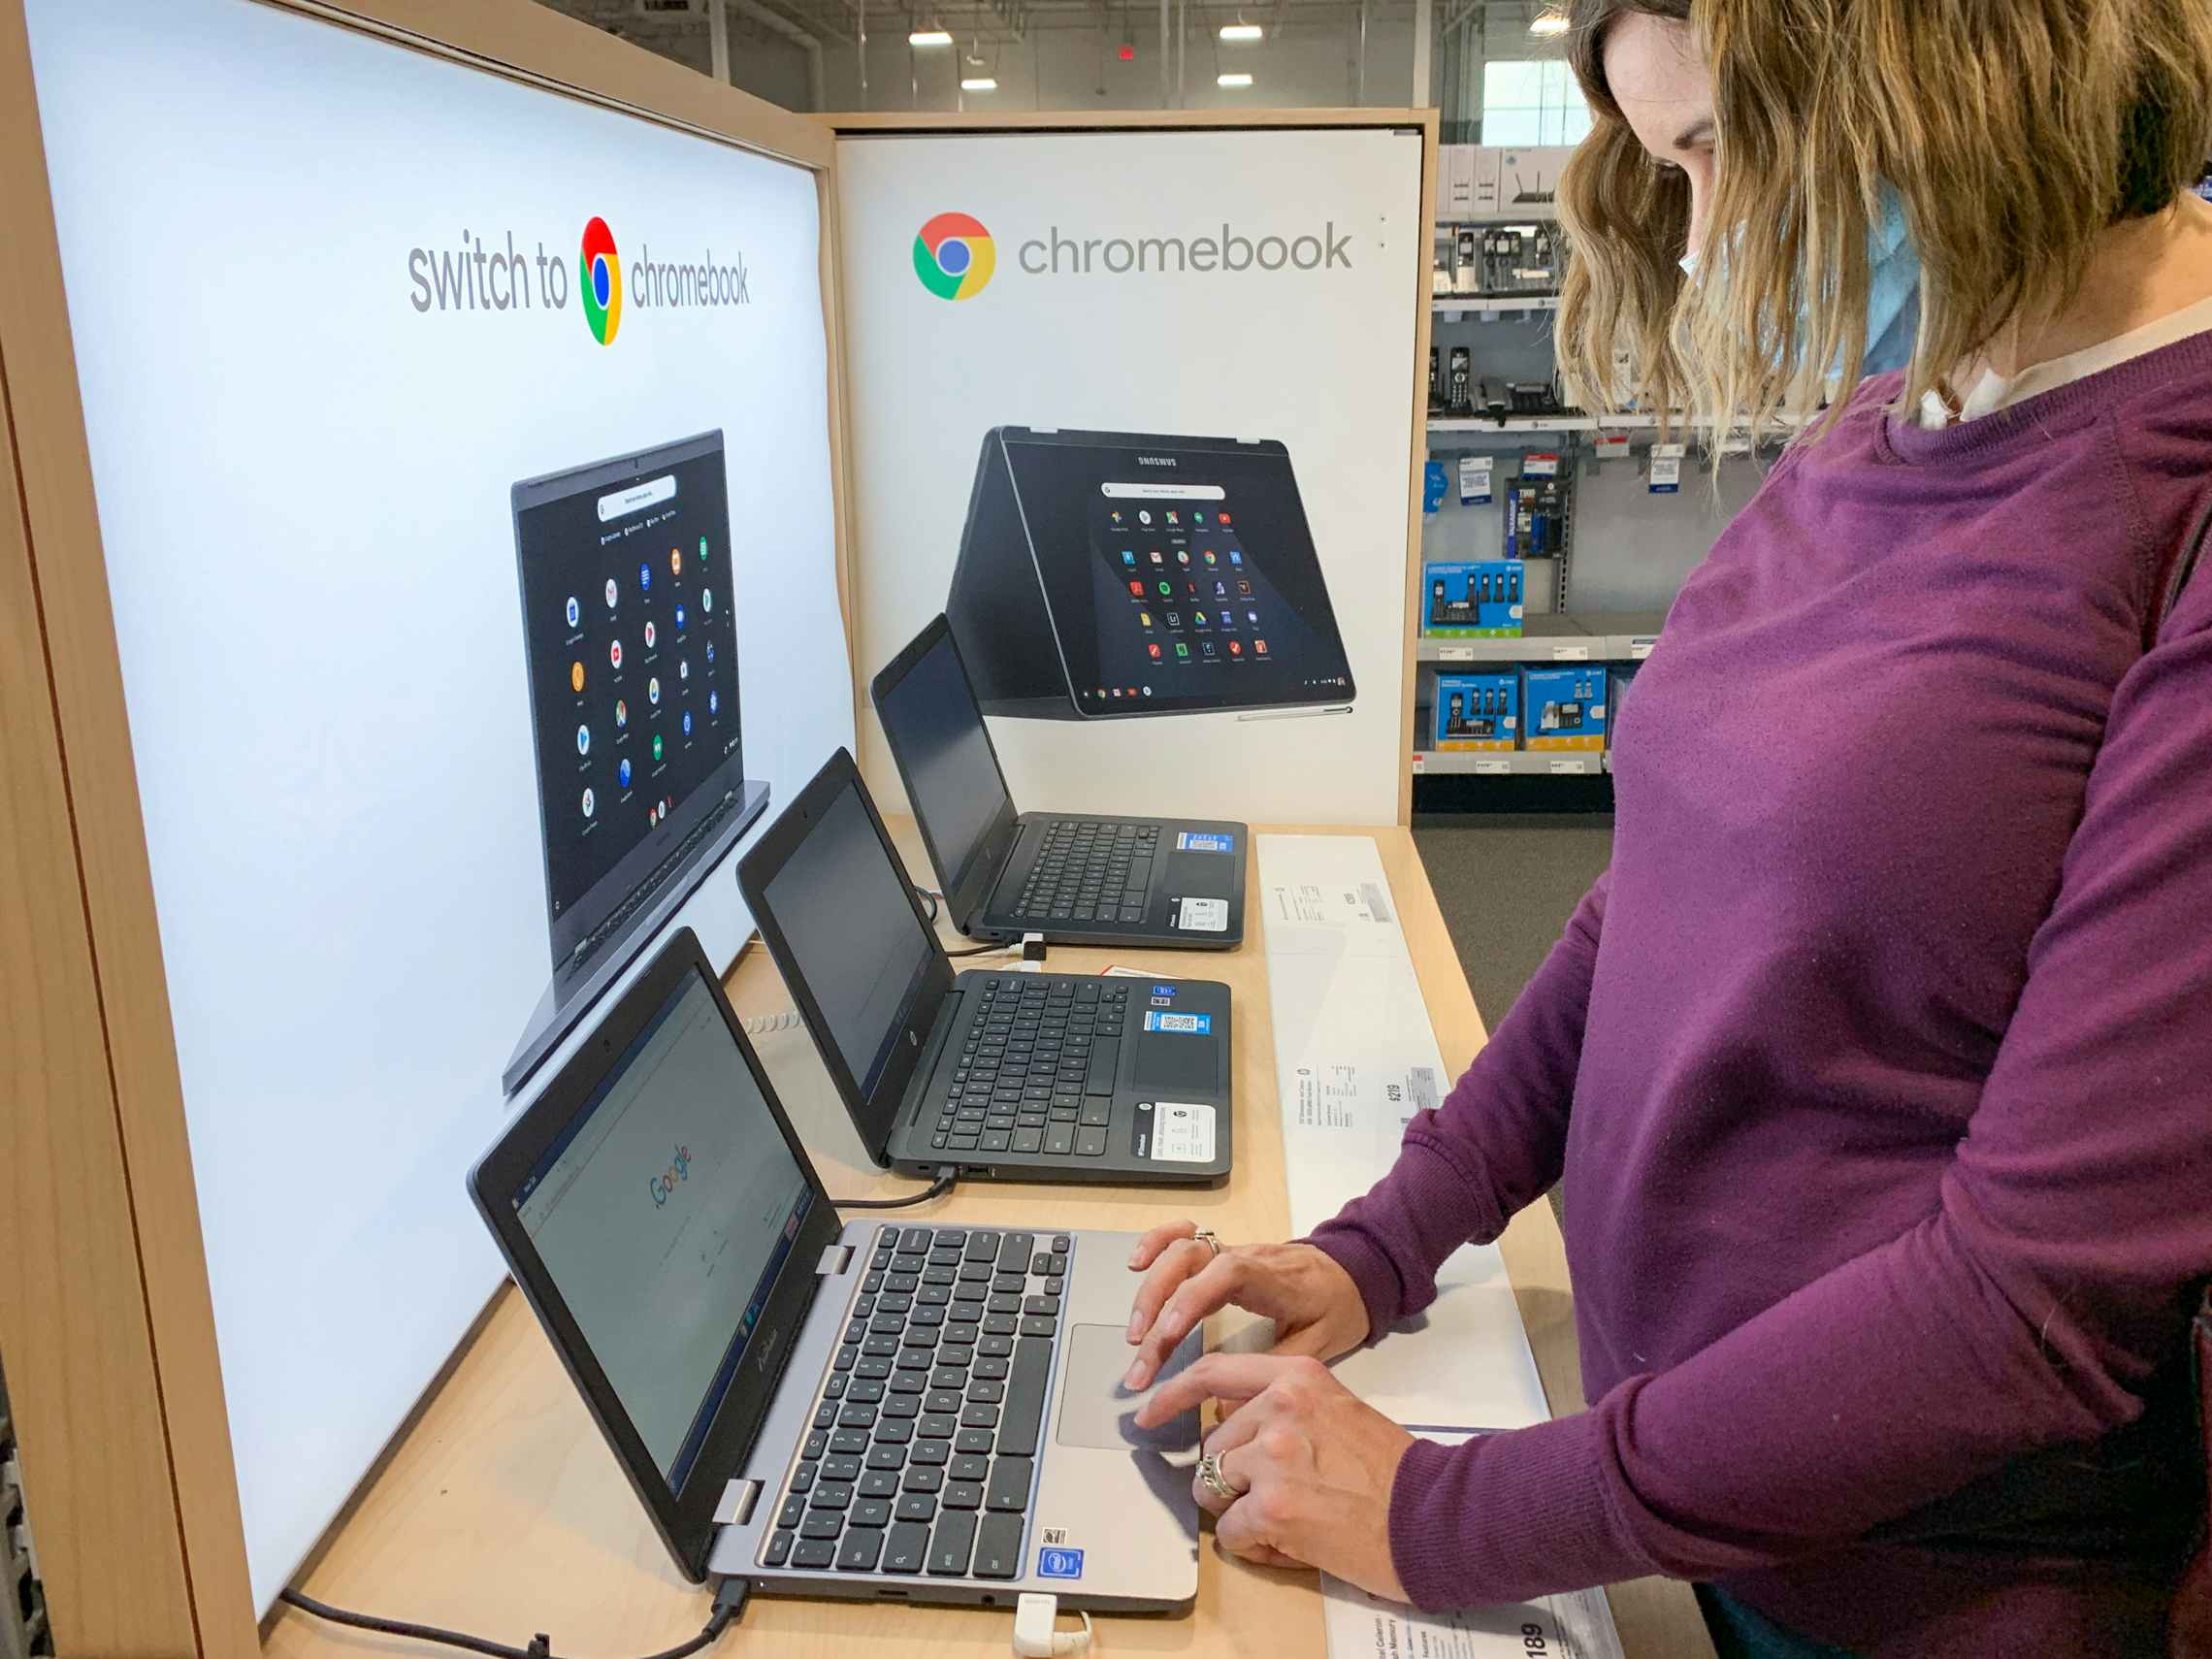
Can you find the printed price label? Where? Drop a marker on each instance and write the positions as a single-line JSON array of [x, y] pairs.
[[1569, 769], [1666, 475], [1456, 654], [1493, 768], [1475, 480], [1540, 467], [1569, 653]]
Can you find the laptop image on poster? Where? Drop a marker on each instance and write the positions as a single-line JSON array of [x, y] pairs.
[[1078, 880], [630, 644], [1001, 1074], [1122, 574], [824, 1408]]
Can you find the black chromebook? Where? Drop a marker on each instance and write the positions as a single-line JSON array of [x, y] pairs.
[[993, 1072], [824, 1408], [1089, 880]]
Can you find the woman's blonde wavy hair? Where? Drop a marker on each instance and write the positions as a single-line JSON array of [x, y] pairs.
[[2015, 131]]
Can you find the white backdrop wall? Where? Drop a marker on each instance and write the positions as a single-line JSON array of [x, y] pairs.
[[1321, 360], [303, 485]]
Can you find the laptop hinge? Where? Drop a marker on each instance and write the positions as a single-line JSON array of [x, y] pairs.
[[737, 1500], [835, 1259]]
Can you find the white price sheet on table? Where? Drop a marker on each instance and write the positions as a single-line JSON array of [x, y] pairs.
[[1574, 1625], [1355, 1058]]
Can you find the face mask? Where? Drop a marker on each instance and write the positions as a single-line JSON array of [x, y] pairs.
[[1892, 293]]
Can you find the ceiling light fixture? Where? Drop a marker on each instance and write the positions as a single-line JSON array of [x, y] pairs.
[[1548, 24], [931, 37], [1241, 31], [1238, 79], [980, 83]]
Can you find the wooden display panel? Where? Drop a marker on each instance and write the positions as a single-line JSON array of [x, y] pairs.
[[105, 1309], [939, 121]]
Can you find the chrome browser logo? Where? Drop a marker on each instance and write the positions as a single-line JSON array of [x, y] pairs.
[[954, 256], [600, 269]]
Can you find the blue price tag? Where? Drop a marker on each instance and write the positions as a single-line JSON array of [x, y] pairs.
[[1060, 1563]]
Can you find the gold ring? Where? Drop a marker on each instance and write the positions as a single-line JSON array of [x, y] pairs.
[[1206, 1237]]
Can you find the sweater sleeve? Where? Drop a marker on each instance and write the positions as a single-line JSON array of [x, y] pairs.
[[2029, 1310], [1495, 1144]]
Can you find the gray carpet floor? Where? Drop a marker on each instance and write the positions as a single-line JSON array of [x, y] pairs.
[[1506, 886]]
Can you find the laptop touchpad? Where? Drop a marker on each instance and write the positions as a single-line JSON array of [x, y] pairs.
[[1096, 1411]]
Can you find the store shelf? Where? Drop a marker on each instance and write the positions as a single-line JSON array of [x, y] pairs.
[[1515, 763], [1494, 302], [1477, 424], [1623, 637]]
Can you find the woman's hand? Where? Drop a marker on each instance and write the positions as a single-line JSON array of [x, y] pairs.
[[1310, 1466], [1316, 1307]]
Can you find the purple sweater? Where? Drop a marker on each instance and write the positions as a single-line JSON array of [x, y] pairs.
[[1878, 1065]]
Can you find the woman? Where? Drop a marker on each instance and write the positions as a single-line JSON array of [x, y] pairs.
[[1880, 1064]]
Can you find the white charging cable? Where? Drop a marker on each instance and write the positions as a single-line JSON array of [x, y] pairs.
[[1034, 1636]]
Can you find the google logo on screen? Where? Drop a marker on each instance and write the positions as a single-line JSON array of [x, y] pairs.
[[954, 256], [602, 271]]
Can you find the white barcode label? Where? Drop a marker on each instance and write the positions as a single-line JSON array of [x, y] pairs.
[[1569, 653], [1492, 768], [1456, 654], [1569, 769]]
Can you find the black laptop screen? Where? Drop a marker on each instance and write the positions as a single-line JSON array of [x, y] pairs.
[[944, 755], [840, 904], [664, 1214], [1182, 575], [632, 639]]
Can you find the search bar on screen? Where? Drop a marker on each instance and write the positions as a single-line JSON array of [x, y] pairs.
[[638, 497], [1164, 492]]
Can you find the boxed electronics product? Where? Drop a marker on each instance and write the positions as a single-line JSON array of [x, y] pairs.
[[1528, 179], [1477, 711], [1480, 599], [1537, 509], [1565, 707]]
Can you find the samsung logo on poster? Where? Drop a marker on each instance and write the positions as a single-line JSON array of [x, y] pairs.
[[1155, 460], [1056, 254]]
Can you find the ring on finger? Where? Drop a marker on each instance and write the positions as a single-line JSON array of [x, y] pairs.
[[1207, 1237], [1211, 1477]]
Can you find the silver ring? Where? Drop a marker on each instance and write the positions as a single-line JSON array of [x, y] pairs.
[[1206, 1237], [1210, 1472]]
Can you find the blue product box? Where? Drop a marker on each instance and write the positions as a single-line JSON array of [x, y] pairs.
[[1477, 711], [1565, 707], [1482, 599]]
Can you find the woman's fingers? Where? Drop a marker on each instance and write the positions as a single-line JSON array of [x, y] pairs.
[[1214, 1286], [1158, 1239], [1178, 1260], [1216, 1377]]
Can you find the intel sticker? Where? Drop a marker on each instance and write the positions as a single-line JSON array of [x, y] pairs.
[[1184, 1025], [1204, 841], [1060, 1563]]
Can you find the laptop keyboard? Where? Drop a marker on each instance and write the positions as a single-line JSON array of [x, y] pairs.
[[1035, 1068], [922, 1459], [1087, 871], [643, 892]]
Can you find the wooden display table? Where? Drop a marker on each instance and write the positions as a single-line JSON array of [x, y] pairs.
[[498, 1511]]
